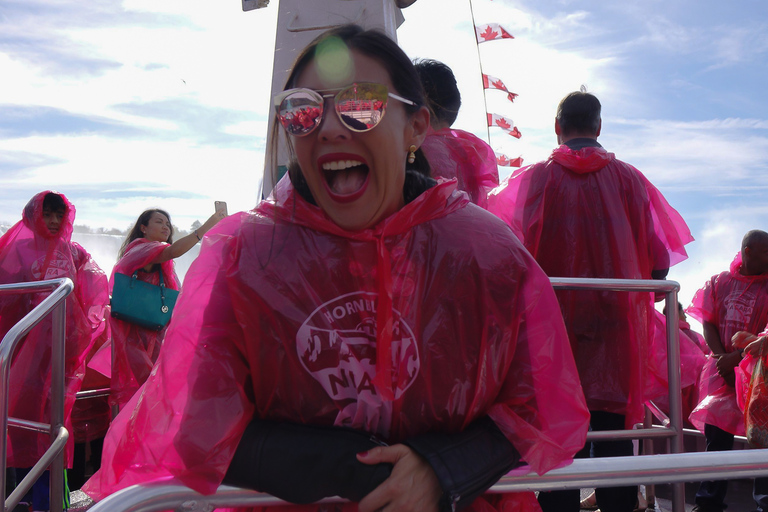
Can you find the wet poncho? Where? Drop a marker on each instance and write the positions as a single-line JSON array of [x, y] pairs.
[[583, 213], [30, 252], [435, 317], [135, 348], [732, 302], [465, 157]]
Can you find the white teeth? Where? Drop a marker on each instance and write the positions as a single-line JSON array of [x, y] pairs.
[[340, 164]]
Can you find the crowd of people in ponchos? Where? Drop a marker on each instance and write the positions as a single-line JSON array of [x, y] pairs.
[[468, 354]]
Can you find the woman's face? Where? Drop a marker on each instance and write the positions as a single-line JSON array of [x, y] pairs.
[[158, 228], [357, 178]]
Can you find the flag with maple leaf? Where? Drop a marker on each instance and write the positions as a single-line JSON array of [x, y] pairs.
[[491, 31], [504, 161], [491, 82], [505, 124]]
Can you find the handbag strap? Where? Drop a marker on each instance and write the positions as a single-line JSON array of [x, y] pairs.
[[162, 285]]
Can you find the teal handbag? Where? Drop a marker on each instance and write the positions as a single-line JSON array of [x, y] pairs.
[[142, 303]]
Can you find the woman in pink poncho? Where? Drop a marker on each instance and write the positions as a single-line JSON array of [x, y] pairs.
[[454, 154], [39, 247], [362, 305], [148, 250]]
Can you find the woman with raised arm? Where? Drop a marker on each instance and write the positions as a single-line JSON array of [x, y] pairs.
[[148, 250], [364, 333]]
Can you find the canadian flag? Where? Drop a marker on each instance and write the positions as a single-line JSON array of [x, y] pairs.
[[491, 31], [491, 82], [505, 124], [504, 161]]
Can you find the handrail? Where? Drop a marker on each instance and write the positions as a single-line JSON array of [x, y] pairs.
[[54, 304], [674, 468], [614, 471], [675, 425]]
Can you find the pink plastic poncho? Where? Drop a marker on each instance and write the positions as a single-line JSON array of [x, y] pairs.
[[732, 302], [135, 348], [692, 360], [456, 154], [30, 252], [284, 323], [586, 214]]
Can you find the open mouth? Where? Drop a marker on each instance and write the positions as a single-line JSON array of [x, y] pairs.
[[345, 179]]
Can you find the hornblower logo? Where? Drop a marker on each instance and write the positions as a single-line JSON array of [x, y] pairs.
[[337, 345]]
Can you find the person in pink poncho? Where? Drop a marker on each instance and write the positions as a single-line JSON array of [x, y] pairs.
[[692, 359], [584, 213], [36, 248], [452, 153], [148, 250], [732, 301], [366, 332]]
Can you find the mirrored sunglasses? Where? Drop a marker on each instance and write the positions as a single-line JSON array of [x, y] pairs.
[[360, 107]]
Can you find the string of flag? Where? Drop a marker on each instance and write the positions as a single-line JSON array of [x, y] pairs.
[[492, 32]]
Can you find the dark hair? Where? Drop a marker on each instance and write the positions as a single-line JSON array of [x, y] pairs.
[[378, 46], [754, 237], [440, 86], [135, 231], [579, 113], [54, 202], [679, 308]]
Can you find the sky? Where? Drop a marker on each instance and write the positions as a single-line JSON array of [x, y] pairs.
[[124, 105]]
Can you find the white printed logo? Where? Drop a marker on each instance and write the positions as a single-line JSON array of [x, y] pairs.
[[337, 346], [58, 266]]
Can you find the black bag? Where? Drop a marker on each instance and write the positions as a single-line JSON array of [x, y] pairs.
[[141, 303]]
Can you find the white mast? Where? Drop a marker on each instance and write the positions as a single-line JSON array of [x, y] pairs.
[[298, 23]]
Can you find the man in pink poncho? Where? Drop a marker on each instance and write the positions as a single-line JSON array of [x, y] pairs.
[[39, 247], [732, 301], [454, 153], [583, 213]]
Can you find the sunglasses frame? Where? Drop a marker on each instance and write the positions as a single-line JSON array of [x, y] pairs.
[[322, 95]]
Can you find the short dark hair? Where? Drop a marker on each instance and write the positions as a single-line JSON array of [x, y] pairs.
[[135, 231], [753, 237], [54, 202], [440, 86], [679, 308], [579, 113]]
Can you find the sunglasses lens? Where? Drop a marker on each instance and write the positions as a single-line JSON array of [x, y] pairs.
[[362, 106], [300, 112]]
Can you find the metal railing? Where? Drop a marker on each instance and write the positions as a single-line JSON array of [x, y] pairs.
[[607, 472], [674, 468], [54, 457]]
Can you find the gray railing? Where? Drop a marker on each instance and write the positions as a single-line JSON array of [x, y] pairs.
[[54, 457], [673, 468]]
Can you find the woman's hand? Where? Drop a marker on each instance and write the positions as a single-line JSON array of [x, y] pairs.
[[412, 486], [757, 347], [742, 338], [212, 221], [725, 365]]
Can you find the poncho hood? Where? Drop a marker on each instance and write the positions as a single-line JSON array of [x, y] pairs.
[[589, 159], [460, 155], [735, 269]]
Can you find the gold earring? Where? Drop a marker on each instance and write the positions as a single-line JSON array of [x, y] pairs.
[[412, 154]]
